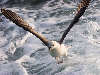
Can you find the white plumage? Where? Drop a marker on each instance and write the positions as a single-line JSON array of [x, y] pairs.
[[58, 50]]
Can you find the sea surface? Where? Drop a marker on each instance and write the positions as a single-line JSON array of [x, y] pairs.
[[21, 53]]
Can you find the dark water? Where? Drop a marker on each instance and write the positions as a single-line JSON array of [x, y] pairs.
[[21, 53]]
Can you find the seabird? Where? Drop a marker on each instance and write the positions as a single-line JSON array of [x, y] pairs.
[[57, 49]]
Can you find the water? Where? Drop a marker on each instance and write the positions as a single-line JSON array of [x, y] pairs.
[[21, 53]]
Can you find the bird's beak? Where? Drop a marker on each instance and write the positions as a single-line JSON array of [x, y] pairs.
[[50, 44]]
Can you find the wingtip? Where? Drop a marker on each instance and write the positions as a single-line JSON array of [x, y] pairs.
[[2, 9]]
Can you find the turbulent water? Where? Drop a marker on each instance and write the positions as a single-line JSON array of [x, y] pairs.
[[21, 53]]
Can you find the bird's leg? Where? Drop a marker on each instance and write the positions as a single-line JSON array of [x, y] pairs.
[[58, 60]]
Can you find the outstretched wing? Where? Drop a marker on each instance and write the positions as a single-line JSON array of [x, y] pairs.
[[80, 11], [20, 22]]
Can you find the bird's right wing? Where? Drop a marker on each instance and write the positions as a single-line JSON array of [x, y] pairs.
[[20, 22], [81, 9]]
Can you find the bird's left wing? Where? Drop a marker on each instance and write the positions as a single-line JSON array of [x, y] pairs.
[[81, 9]]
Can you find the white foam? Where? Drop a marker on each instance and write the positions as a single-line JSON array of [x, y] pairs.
[[12, 69], [93, 29]]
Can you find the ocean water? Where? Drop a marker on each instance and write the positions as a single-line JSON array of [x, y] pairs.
[[21, 53]]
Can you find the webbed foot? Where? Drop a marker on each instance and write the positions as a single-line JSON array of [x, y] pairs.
[[59, 60]]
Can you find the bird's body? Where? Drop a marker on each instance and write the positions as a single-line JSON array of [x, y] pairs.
[[57, 50]]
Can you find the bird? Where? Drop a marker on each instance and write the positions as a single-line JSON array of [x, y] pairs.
[[56, 49]]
